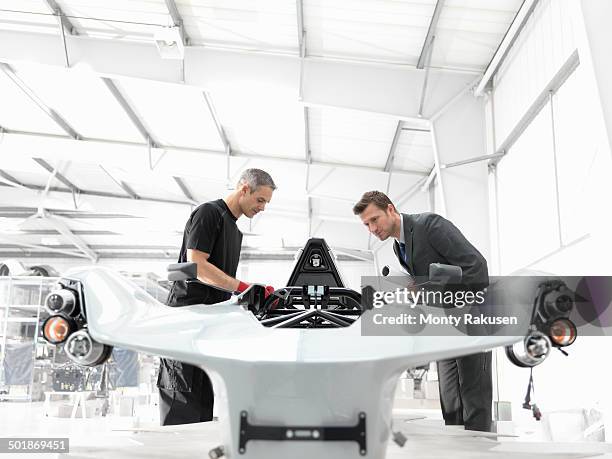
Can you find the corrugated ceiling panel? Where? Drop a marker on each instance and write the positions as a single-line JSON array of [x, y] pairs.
[[414, 151], [204, 190], [333, 208], [18, 164], [469, 32], [27, 15], [371, 29], [174, 116], [343, 136], [90, 177], [346, 184], [19, 113], [82, 100], [119, 19], [150, 237], [156, 186], [29, 178], [252, 24], [32, 178], [122, 226], [265, 123]]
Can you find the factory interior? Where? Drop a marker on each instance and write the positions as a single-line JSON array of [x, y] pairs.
[[130, 128]]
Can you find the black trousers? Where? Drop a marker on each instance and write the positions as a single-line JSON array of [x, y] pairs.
[[186, 407], [466, 391]]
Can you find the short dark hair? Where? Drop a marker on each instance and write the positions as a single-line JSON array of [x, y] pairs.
[[378, 198], [255, 178]]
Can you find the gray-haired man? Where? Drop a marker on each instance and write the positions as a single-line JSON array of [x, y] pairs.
[[213, 241]]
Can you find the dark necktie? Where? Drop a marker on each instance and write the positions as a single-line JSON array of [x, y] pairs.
[[402, 251]]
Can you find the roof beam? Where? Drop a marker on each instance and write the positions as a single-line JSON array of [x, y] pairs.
[[116, 246], [410, 192], [391, 90], [99, 205], [10, 180], [129, 111], [124, 186], [426, 79], [226, 145], [510, 37], [90, 150], [47, 252], [213, 113], [48, 167], [307, 152], [65, 231], [358, 254], [391, 155], [300, 27], [99, 194], [9, 72], [473, 160], [20, 242], [130, 208], [47, 232], [65, 22], [308, 158], [177, 19], [183, 186], [429, 38], [309, 216]]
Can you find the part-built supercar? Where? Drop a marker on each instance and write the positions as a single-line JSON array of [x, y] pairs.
[[292, 373]]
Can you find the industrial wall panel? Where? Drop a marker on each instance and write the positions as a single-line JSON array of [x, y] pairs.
[[540, 50], [527, 206]]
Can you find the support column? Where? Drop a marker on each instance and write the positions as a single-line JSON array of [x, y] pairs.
[[459, 134]]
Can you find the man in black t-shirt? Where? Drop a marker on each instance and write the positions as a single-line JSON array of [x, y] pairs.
[[213, 241]]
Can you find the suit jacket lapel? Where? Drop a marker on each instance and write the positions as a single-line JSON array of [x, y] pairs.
[[408, 239]]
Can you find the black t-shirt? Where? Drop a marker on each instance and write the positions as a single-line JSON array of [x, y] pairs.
[[211, 228]]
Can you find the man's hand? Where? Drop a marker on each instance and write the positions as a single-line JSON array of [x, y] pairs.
[[269, 291], [242, 286]]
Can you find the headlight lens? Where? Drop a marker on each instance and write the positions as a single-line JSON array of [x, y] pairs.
[[56, 329], [562, 332]]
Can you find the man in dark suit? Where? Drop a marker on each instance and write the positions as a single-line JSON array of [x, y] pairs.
[[466, 390]]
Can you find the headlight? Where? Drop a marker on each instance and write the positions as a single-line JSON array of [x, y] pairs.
[[530, 352], [83, 350], [562, 332], [63, 300], [56, 329], [558, 302]]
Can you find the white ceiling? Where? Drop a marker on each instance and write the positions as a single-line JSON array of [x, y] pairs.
[[140, 159]]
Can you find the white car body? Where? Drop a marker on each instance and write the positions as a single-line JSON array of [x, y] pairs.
[[310, 378]]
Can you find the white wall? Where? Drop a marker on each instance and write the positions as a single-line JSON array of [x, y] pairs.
[[553, 194]]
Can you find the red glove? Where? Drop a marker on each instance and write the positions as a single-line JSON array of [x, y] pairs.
[[242, 286], [269, 290]]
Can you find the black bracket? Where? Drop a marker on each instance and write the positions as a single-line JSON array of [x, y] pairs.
[[355, 433]]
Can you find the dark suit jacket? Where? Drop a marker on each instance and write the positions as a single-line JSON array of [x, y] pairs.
[[430, 238]]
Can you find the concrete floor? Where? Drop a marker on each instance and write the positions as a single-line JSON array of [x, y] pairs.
[[140, 437]]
